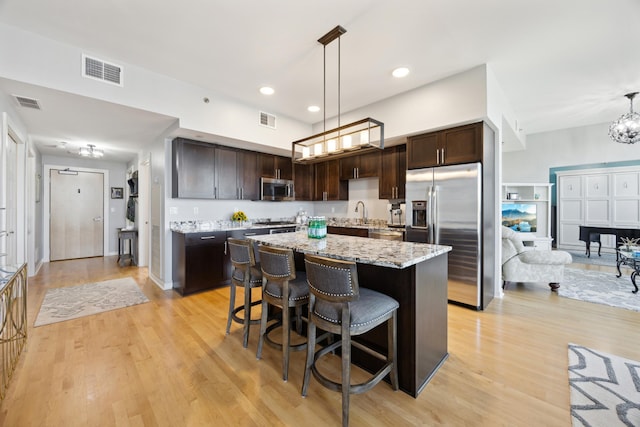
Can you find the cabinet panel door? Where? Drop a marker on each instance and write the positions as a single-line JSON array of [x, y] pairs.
[[266, 165], [336, 189], [284, 167], [303, 181], [248, 177], [369, 166], [597, 185], [461, 145], [570, 187], [226, 173], [320, 172], [572, 211], [597, 212], [392, 173], [193, 170], [348, 166], [626, 213], [626, 184], [422, 151]]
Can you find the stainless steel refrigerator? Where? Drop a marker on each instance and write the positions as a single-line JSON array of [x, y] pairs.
[[444, 206]]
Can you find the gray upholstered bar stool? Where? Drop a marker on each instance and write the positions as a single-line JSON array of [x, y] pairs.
[[285, 288], [248, 275], [338, 305]]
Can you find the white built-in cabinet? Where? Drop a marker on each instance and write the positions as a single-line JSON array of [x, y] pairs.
[[597, 197], [538, 194]]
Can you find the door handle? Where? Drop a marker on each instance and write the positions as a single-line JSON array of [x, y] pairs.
[[97, 219]]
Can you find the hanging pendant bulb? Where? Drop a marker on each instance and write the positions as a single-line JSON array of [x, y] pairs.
[[626, 129]]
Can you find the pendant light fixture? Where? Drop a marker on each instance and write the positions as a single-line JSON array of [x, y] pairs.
[[626, 129], [343, 140]]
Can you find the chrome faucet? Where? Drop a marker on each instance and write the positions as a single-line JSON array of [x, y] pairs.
[[364, 218]]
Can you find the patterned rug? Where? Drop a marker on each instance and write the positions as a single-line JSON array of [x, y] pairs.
[[71, 302], [600, 288], [605, 258], [604, 389]]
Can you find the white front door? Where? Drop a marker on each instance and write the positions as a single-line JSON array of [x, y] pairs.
[[76, 209]]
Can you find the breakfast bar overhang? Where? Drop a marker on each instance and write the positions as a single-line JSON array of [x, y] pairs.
[[415, 274]]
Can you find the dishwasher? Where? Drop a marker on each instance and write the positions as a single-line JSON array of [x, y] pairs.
[[386, 235]]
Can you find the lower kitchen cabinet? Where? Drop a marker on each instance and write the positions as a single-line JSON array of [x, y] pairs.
[[348, 231], [199, 261]]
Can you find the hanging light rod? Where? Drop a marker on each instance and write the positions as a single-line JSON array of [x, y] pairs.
[[366, 134]]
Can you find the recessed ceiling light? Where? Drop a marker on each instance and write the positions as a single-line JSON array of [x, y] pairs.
[[313, 108], [266, 90], [400, 72]]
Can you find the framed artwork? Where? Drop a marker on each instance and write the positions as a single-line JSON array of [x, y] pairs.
[[117, 192]]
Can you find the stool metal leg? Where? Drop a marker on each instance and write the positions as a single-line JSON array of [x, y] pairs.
[[247, 316], [232, 302], [346, 367]]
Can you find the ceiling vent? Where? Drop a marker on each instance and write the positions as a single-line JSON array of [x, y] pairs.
[[268, 120], [27, 102], [97, 69]]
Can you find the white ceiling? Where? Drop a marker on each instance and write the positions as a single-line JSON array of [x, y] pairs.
[[560, 63]]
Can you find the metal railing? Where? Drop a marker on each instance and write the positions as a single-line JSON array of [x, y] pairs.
[[13, 321]]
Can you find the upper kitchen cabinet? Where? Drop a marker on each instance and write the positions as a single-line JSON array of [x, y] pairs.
[[226, 171], [462, 144], [208, 171], [248, 176], [365, 165], [328, 185], [393, 172], [303, 181], [236, 174], [278, 167], [193, 169]]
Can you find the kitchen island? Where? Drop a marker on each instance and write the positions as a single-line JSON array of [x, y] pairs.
[[415, 274]]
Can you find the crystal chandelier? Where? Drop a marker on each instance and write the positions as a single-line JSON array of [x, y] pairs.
[[626, 129]]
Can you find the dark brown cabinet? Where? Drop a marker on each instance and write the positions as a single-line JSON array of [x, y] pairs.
[[209, 171], [226, 172], [328, 185], [199, 261], [248, 177], [393, 172], [303, 181], [193, 169], [278, 167], [365, 165], [462, 144], [348, 231]]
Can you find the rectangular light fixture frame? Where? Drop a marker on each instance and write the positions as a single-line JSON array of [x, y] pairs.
[[353, 138]]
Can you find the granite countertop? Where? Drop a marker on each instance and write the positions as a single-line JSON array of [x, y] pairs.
[[384, 253], [203, 227]]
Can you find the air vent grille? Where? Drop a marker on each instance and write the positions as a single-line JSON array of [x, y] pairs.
[[268, 120], [27, 102], [101, 70]]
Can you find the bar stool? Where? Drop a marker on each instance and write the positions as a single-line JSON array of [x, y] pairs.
[[338, 305], [285, 288], [248, 275]]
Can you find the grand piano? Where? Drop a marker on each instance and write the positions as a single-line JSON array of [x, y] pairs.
[[590, 234]]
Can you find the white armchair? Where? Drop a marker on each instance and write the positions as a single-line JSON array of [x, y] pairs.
[[520, 265]]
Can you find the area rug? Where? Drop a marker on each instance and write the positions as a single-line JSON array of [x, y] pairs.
[[604, 389], [71, 302], [600, 288], [605, 259]]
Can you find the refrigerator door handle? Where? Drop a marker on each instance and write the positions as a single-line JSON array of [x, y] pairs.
[[434, 215]]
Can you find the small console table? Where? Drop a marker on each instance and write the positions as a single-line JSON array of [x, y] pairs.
[[628, 258], [128, 235]]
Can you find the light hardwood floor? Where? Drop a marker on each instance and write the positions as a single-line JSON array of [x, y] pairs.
[[168, 363]]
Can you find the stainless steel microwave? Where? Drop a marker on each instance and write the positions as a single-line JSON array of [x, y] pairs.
[[276, 189]]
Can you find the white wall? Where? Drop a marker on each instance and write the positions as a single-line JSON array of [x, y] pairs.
[[142, 89], [566, 147]]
